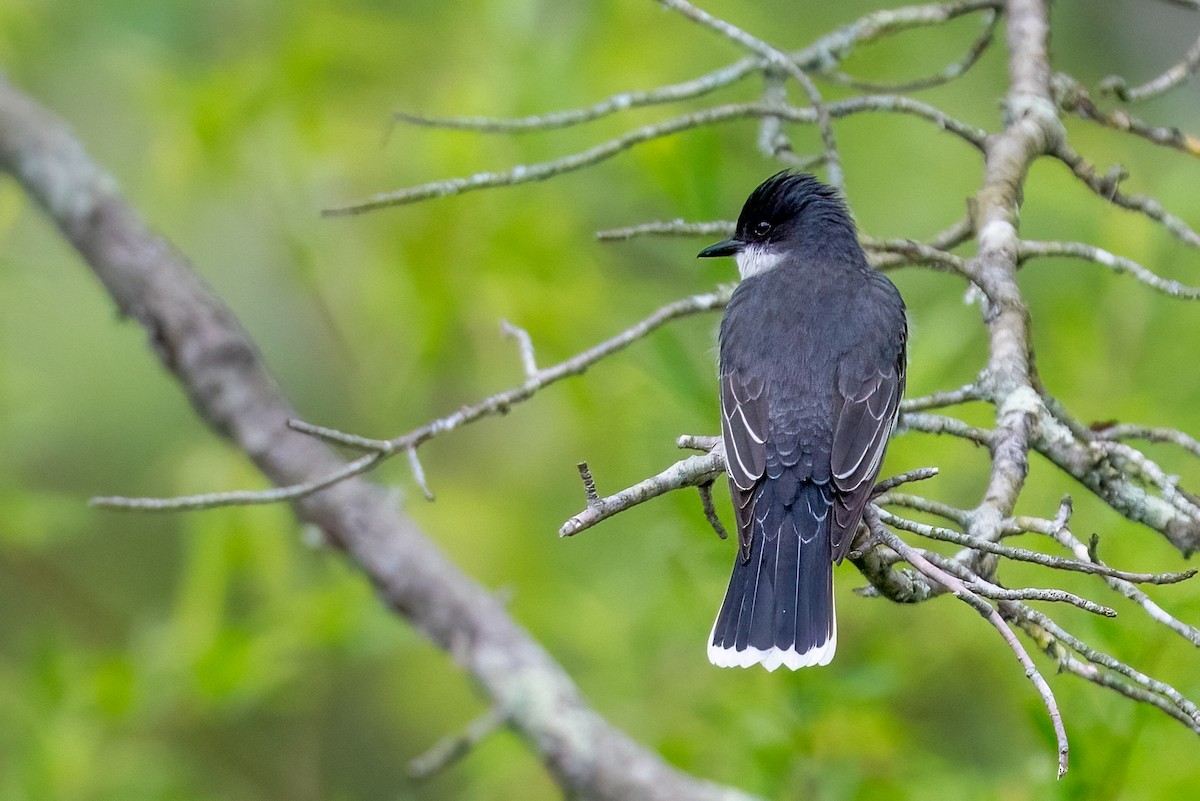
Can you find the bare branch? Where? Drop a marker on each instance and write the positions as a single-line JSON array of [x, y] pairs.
[[213, 500], [1032, 130], [696, 442], [988, 589], [1171, 435], [499, 403], [889, 484], [779, 60], [910, 252], [1118, 264], [964, 594], [1107, 188], [446, 752], [589, 484], [1072, 447], [676, 227], [710, 511], [1125, 586], [523, 174], [949, 73], [1175, 75], [829, 49], [201, 343], [418, 472], [939, 400], [1133, 462], [1020, 612], [524, 343], [1066, 661], [940, 424], [772, 141], [548, 169], [1081, 565], [1073, 98], [690, 472], [926, 505]]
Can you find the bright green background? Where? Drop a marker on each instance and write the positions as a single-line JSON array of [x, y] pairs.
[[220, 656]]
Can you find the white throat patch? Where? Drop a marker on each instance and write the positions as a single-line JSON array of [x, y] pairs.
[[756, 259]]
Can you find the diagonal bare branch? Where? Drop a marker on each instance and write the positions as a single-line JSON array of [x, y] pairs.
[[779, 60], [1118, 264], [202, 344], [1073, 98], [1107, 187], [960, 590], [1174, 75], [541, 171], [950, 72], [381, 449], [828, 49]]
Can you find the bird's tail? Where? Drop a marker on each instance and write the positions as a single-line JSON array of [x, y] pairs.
[[778, 609]]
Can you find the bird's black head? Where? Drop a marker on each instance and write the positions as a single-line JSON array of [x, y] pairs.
[[788, 212]]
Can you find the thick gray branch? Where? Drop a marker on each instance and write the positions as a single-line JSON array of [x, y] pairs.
[[1033, 126], [198, 339]]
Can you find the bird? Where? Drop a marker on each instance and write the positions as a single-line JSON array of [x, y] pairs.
[[812, 359]]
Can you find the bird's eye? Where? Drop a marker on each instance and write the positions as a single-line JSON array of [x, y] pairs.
[[762, 228]]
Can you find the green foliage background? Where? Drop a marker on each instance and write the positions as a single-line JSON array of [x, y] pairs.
[[221, 656]]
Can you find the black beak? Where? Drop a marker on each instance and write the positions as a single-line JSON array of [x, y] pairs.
[[726, 247]]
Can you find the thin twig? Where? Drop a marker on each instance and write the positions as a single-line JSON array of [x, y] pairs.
[[1107, 188], [696, 442], [963, 593], [829, 49], [943, 76], [1018, 611], [690, 472], [527, 173], [939, 400], [1072, 446], [1131, 461], [1118, 264], [1168, 80], [927, 505], [1073, 97], [449, 750], [1068, 662], [212, 500], [941, 424], [889, 484], [382, 449], [779, 60], [1125, 586], [1168, 435], [1009, 552], [524, 344], [988, 589], [910, 252], [710, 510], [418, 472], [677, 227], [772, 141], [589, 484]]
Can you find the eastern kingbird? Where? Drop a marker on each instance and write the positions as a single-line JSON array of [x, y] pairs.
[[811, 372]]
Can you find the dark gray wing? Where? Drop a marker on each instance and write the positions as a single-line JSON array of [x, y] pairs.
[[744, 424], [871, 402]]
